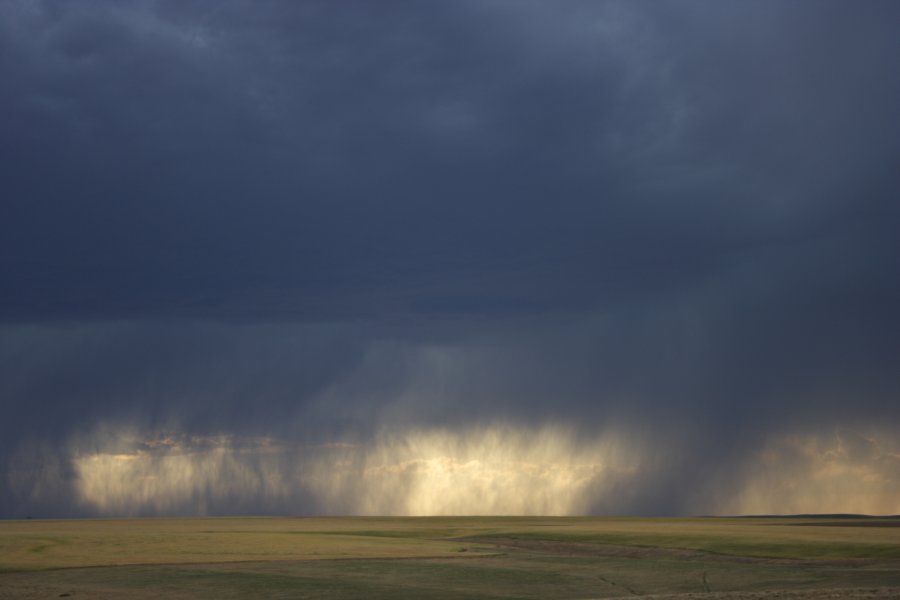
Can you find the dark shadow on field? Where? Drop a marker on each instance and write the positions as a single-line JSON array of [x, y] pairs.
[[566, 548], [525, 569]]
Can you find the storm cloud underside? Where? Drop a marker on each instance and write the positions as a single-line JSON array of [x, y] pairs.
[[449, 258]]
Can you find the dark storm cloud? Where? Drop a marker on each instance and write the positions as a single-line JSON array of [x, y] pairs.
[[303, 219], [290, 159]]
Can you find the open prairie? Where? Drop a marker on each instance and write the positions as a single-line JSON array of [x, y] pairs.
[[483, 557]]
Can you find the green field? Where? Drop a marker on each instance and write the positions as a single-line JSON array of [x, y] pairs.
[[487, 557]]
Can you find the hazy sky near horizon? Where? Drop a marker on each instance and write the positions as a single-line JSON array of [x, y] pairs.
[[476, 256]]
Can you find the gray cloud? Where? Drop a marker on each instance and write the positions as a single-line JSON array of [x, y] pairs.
[[316, 222]]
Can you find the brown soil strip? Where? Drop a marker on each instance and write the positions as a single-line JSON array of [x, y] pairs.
[[814, 594]]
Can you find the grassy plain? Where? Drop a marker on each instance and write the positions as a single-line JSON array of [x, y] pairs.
[[465, 557]]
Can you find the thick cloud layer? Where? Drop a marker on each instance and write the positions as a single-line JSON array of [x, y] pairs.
[[315, 244]]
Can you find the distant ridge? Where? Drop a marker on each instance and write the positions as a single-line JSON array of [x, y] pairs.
[[817, 516]]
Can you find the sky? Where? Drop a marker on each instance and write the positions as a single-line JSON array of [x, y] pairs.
[[466, 257]]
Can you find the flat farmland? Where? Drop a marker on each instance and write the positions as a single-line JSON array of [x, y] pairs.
[[453, 557]]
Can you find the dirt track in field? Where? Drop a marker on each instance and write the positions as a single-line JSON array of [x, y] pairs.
[[817, 594]]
